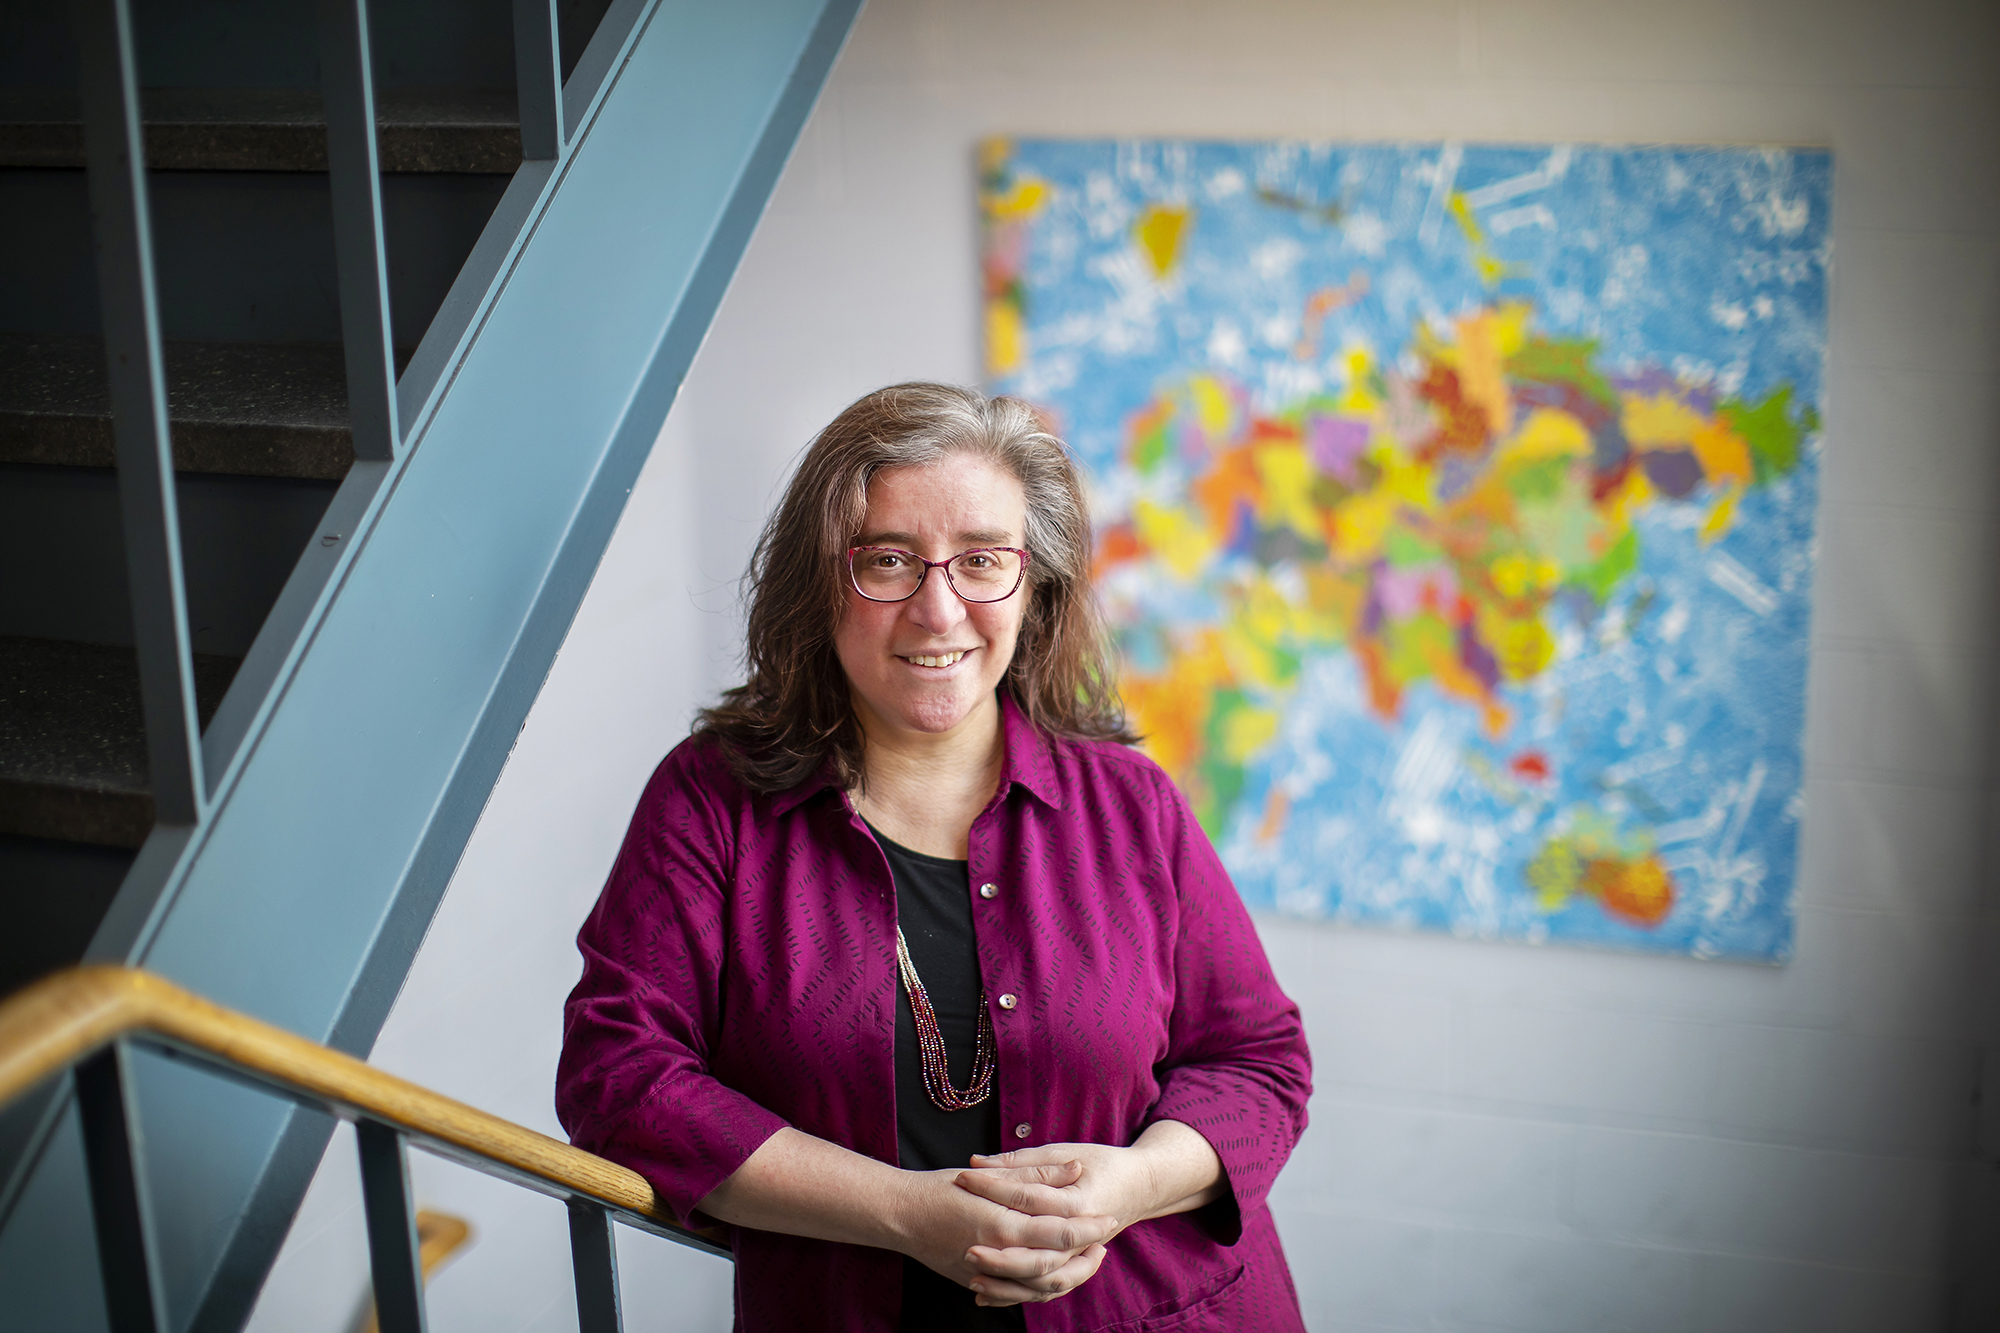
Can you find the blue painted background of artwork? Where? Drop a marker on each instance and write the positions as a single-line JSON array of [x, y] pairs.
[[1708, 265]]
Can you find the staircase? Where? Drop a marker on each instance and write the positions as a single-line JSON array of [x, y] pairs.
[[306, 460], [256, 387]]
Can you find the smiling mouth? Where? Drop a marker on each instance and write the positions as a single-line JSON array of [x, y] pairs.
[[939, 660]]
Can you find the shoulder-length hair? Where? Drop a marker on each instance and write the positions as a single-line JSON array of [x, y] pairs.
[[793, 713]]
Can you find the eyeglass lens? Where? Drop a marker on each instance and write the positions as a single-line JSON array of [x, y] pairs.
[[889, 575]]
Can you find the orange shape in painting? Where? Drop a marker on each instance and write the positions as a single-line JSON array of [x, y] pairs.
[[1462, 425], [1641, 892], [1117, 544], [1723, 454], [1385, 696], [1276, 807]]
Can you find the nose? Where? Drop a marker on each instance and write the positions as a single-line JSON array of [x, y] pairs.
[[935, 607]]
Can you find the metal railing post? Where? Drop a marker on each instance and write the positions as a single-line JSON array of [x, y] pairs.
[[593, 1252], [132, 1287], [354, 172], [114, 146], [538, 77], [393, 1252]]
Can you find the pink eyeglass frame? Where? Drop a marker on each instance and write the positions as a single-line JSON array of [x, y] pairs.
[[945, 565]]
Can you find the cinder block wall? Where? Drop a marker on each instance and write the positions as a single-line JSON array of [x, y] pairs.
[[1503, 1137]]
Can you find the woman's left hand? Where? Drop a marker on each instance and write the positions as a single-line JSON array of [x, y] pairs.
[[1170, 1169], [1067, 1180]]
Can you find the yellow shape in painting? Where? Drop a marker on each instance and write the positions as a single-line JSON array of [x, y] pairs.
[[1361, 523], [1266, 613], [1719, 518], [1556, 874], [1357, 399], [1160, 230], [1405, 478], [1270, 614], [1021, 202], [1657, 420], [1179, 538], [1518, 574], [993, 154], [1246, 731], [1006, 338], [1288, 476], [1549, 432], [1523, 647], [1213, 407], [1491, 270], [1509, 322], [1248, 652]]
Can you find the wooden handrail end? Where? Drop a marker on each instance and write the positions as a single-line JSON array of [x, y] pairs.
[[62, 1019]]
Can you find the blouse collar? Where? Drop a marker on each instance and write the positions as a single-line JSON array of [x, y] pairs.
[[1027, 763]]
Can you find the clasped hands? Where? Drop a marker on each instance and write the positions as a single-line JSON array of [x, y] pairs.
[[1032, 1225], [1028, 1225]]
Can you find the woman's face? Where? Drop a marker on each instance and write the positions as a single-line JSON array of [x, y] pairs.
[[929, 663]]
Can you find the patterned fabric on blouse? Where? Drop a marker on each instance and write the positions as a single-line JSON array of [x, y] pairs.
[[740, 976]]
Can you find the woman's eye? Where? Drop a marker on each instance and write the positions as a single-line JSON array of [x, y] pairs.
[[978, 561]]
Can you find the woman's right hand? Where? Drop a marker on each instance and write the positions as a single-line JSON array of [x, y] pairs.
[[1026, 1258], [804, 1186]]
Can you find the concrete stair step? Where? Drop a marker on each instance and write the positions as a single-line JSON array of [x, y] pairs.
[[243, 409], [73, 739], [439, 130]]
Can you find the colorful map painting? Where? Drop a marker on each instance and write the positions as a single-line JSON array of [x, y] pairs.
[[1455, 510]]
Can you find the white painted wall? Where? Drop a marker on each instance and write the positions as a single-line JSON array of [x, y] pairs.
[[1503, 1137]]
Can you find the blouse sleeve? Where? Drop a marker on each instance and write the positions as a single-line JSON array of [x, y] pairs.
[[1237, 1069], [633, 1083]]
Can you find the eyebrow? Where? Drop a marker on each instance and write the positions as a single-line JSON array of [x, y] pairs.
[[980, 537]]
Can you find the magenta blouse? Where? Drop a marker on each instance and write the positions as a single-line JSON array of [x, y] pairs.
[[740, 976]]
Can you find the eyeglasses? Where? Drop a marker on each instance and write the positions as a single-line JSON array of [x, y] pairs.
[[983, 574]]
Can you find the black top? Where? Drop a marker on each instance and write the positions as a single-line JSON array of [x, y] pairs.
[[934, 909]]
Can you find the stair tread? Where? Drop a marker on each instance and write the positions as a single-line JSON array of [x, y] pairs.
[[251, 409], [73, 738], [447, 130]]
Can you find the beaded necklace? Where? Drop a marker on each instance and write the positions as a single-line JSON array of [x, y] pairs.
[[930, 1041]]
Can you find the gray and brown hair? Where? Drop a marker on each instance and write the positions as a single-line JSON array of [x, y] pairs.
[[793, 712]]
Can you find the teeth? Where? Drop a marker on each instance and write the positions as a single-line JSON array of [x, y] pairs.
[[945, 660]]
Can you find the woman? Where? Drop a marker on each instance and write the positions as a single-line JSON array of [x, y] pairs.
[[800, 1018]]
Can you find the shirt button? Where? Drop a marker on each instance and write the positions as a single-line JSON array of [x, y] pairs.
[[989, 890], [1009, 1001], [1022, 1130]]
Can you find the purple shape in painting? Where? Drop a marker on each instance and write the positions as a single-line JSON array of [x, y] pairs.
[[1476, 658], [1676, 472], [1336, 444]]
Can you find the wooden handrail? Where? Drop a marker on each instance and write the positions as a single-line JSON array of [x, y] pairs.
[[57, 1022]]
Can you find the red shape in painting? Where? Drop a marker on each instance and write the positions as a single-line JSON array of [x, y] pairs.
[[1530, 765]]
